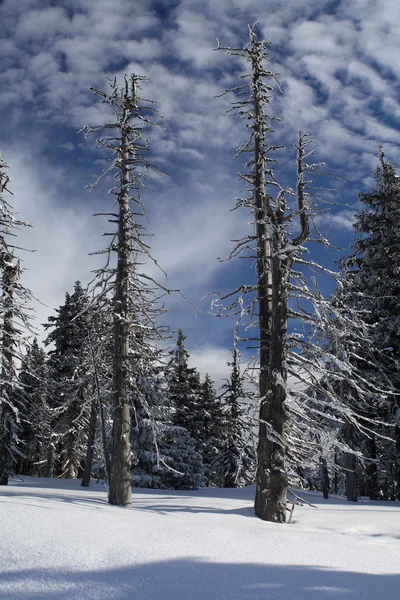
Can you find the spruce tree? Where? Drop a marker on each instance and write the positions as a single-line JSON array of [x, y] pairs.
[[14, 321], [236, 460], [36, 415], [210, 435], [184, 388], [373, 273], [70, 382], [164, 454]]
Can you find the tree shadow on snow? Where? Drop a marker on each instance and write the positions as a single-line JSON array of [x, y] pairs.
[[25, 497], [198, 580]]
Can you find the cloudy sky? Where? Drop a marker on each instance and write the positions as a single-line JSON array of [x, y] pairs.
[[337, 60]]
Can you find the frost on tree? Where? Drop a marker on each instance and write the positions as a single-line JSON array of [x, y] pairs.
[[134, 293], [35, 412], [293, 363], [164, 453], [235, 464], [273, 262], [14, 321], [373, 274], [70, 383]]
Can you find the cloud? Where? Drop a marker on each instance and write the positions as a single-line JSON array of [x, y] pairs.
[[212, 360], [338, 62]]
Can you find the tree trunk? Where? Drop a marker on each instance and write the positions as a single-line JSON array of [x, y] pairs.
[[372, 470], [335, 485], [351, 481], [264, 288], [120, 476], [324, 477], [50, 460], [90, 444]]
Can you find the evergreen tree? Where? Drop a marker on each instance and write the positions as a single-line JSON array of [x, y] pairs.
[[373, 272], [184, 389], [236, 461], [70, 382], [210, 434], [165, 456], [14, 321], [36, 416]]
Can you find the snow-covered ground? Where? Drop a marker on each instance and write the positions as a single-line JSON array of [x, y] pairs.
[[59, 541]]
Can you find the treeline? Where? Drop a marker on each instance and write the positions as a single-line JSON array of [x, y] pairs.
[[184, 434]]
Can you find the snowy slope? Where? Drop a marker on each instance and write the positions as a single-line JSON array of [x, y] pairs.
[[60, 541]]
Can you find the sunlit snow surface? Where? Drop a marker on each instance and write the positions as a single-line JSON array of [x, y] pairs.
[[60, 541]]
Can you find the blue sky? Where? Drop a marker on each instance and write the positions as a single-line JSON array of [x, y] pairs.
[[338, 62]]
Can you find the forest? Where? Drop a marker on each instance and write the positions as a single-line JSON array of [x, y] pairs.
[[313, 396]]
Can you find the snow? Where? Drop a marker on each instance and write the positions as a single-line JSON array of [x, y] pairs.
[[60, 541]]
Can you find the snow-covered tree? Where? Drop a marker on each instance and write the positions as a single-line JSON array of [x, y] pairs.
[[164, 453], [134, 292], [211, 431], [184, 388], [36, 415], [236, 460], [292, 359], [373, 274], [14, 317], [274, 257], [70, 383]]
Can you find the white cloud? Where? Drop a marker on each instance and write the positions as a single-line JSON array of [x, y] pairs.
[[340, 72], [212, 360]]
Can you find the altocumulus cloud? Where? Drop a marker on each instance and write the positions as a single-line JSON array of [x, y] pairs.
[[340, 73]]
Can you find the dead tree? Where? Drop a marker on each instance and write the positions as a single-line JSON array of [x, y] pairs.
[[273, 259], [133, 300]]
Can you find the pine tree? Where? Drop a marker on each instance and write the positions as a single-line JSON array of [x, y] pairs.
[[14, 316], [165, 456], [235, 463], [210, 433], [184, 388], [36, 416], [373, 272], [70, 382]]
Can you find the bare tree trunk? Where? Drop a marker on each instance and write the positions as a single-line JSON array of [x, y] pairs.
[[351, 481], [275, 508], [397, 465], [50, 459], [336, 482], [324, 477], [120, 476], [90, 444], [264, 284], [372, 469]]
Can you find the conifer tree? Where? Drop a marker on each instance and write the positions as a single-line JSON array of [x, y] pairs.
[[211, 429], [184, 388], [36, 415], [286, 411], [235, 463], [14, 317], [373, 273], [70, 382], [274, 258], [164, 453]]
